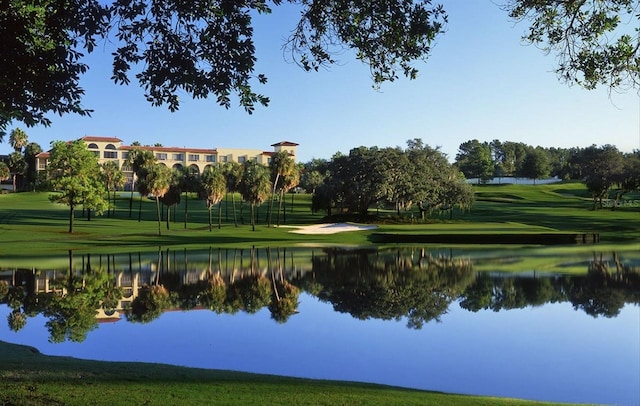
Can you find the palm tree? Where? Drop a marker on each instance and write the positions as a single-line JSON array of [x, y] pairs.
[[158, 181], [254, 186], [138, 160], [232, 172], [113, 178], [282, 164], [289, 181], [214, 186], [189, 181], [18, 139]]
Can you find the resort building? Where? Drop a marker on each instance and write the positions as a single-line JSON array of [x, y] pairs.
[[195, 159]]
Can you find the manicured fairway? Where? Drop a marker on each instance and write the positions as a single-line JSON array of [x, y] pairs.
[[31, 225]]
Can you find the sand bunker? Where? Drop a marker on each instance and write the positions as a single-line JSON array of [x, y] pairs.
[[331, 228]]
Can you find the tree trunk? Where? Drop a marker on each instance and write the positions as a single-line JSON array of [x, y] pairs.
[[186, 210], [220, 215], [168, 215], [253, 223], [233, 204], [158, 212], [14, 181], [209, 210], [131, 201], [71, 219], [140, 209], [280, 207]]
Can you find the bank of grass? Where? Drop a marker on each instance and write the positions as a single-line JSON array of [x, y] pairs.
[[30, 378], [30, 225]]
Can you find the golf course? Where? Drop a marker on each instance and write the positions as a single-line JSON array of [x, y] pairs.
[[33, 229]]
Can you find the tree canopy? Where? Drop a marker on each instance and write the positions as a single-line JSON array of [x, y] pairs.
[[206, 48]]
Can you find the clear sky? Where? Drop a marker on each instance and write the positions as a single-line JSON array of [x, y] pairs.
[[479, 82]]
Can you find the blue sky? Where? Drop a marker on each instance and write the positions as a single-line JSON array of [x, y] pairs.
[[479, 82]]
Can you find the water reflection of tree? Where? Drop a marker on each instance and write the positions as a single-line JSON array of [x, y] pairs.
[[385, 284], [367, 285], [602, 292], [72, 305]]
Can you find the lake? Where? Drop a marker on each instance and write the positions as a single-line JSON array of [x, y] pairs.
[[565, 327]]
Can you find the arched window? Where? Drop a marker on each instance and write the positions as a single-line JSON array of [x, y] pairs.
[[111, 153]]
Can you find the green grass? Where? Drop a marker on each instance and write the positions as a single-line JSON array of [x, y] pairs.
[[30, 225], [30, 378]]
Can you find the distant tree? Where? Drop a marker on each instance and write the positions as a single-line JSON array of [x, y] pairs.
[[313, 174], [474, 160], [31, 150], [17, 165], [214, 187], [628, 178], [254, 186], [535, 165], [157, 182], [74, 174], [4, 171], [599, 167]]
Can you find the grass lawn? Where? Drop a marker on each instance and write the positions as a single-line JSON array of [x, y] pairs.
[[30, 225], [30, 378]]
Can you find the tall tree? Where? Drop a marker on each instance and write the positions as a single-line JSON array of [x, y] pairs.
[[157, 181], [535, 165], [18, 139], [138, 160], [189, 182], [599, 167], [17, 165], [254, 186], [31, 150], [281, 165], [74, 174], [214, 187], [233, 173], [113, 179], [289, 181], [474, 160]]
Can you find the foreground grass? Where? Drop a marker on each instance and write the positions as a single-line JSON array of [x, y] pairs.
[[30, 378]]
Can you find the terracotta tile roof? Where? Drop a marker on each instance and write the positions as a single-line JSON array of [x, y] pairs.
[[285, 144], [89, 138]]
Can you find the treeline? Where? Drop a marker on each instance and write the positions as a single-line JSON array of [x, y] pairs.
[[372, 177], [606, 171]]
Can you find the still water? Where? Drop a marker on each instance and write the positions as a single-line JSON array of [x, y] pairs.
[[565, 327]]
